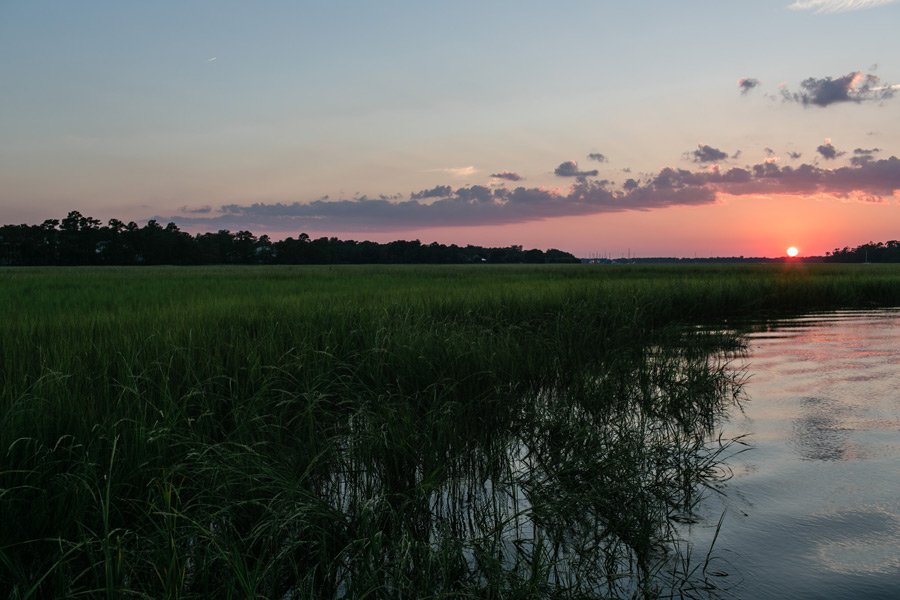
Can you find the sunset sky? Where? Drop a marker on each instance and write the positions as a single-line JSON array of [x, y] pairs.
[[702, 128]]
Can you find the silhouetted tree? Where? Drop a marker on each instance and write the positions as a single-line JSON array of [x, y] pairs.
[[871, 252], [81, 240]]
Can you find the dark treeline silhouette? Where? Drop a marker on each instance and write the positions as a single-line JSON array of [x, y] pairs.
[[872, 252], [80, 240]]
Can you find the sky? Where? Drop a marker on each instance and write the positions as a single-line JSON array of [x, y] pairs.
[[601, 128]]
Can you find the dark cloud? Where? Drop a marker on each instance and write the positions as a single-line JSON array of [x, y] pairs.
[[707, 154], [871, 180], [364, 197], [828, 151], [570, 169], [507, 175], [747, 84], [862, 156], [477, 194], [794, 155], [598, 157], [852, 87], [769, 151], [441, 191]]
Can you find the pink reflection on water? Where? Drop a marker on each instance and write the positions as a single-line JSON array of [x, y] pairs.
[[809, 502]]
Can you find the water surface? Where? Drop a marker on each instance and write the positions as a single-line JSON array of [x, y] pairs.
[[813, 509]]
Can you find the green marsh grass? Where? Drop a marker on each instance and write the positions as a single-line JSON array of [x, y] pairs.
[[382, 432]]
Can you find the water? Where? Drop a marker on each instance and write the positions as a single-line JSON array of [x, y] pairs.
[[813, 509]]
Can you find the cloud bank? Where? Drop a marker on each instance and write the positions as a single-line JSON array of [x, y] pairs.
[[868, 179]]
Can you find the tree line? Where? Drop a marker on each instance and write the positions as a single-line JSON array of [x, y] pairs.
[[81, 240], [871, 252]]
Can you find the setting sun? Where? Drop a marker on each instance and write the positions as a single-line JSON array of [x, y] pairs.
[[792, 251]]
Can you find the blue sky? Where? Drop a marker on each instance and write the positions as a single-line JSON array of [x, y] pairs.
[[388, 120]]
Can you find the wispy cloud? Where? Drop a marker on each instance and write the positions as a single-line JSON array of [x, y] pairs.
[[833, 6], [881, 88], [211, 59], [199, 210], [457, 171]]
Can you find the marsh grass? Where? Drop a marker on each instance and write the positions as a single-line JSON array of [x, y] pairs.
[[393, 432]]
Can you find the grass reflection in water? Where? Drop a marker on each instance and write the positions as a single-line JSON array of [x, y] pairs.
[[571, 491]]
